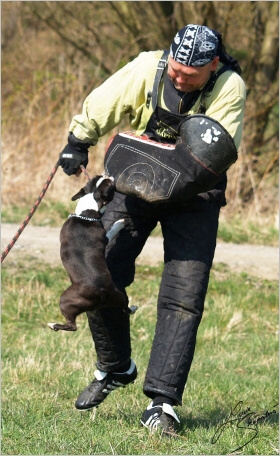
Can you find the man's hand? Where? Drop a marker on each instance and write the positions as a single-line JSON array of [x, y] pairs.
[[70, 160], [74, 154]]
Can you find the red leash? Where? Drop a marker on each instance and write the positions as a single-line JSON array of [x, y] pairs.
[[85, 172], [38, 201]]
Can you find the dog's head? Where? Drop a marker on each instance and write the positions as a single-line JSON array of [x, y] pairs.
[[101, 187]]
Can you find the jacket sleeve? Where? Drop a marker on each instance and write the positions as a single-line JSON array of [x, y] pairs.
[[122, 94]]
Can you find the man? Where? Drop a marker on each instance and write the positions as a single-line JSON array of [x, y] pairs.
[[200, 77]]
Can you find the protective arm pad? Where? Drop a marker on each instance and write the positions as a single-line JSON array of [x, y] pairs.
[[208, 142], [158, 172]]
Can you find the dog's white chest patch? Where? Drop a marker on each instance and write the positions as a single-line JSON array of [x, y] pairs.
[[85, 203]]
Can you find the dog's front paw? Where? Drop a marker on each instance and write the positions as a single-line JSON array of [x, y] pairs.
[[132, 309], [115, 229]]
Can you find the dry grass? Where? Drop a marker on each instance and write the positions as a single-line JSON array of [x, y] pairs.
[[42, 94]]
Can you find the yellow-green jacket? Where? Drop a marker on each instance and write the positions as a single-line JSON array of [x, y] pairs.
[[125, 93]]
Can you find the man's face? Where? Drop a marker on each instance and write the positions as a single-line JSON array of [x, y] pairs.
[[187, 78]]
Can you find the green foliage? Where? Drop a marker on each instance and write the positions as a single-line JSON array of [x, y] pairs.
[[46, 214], [43, 372], [240, 231]]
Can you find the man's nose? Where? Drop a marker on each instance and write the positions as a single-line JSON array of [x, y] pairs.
[[181, 79]]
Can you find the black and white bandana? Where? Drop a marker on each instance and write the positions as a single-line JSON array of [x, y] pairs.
[[194, 45]]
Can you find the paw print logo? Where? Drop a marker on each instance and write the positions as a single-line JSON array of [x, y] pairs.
[[211, 134]]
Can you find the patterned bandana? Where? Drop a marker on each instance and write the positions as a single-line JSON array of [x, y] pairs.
[[194, 45]]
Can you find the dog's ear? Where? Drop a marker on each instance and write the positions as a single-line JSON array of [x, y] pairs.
[[78, 195], [87, 189]]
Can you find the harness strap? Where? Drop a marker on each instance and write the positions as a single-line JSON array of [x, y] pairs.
[[160, 69], [209, 87], [88, 219]]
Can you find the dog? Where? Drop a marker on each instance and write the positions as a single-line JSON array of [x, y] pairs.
[[83, 240]]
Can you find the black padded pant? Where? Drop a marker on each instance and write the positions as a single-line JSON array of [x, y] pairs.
[[189, 233]]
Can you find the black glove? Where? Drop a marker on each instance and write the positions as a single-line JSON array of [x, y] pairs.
[[74, 154]]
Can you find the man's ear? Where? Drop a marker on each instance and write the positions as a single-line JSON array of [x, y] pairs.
[[215, 63]]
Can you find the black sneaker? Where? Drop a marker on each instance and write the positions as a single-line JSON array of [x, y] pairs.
[[103, 384], [160, 418]]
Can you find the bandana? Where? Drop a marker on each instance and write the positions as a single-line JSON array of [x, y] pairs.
[[194, 45]]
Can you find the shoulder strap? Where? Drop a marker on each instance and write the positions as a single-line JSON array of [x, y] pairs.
[[209, 87], [160, 69]]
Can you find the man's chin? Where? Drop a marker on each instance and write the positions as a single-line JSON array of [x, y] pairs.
[[183, 88]]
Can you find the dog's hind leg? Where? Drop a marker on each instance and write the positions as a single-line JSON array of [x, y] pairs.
[[65, 327], [71, 305]]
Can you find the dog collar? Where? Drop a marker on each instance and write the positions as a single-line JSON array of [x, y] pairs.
[[85, 218]]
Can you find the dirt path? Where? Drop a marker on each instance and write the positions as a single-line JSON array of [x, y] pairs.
[[43, 243]]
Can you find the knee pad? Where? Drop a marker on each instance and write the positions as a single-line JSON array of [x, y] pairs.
[[184, 285]]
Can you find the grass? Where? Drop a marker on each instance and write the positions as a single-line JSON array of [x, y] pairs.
[[244, 231], [46, 214], [42, 372]]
